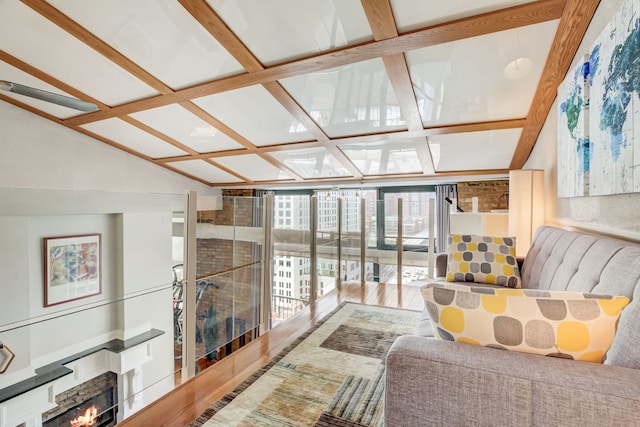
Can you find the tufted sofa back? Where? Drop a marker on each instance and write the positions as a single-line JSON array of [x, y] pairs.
[[566, 260]]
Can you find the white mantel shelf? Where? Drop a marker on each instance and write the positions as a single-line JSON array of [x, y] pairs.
[[57, 370]]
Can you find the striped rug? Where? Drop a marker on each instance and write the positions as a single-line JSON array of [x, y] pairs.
[[333, 375]]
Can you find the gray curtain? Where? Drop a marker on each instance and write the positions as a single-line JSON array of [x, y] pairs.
[[443, 208]]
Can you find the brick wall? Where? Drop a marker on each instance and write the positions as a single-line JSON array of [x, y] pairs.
[[491, 195]]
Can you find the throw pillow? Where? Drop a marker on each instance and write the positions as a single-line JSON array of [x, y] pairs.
[[563, 324], [483, 259]]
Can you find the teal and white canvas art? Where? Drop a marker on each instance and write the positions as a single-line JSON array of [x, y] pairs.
[[614, 84], [573, 133]]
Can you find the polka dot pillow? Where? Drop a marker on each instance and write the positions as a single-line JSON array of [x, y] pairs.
[[483, 259], [563, 324]]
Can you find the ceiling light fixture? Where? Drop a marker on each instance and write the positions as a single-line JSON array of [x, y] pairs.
[[517, 68]]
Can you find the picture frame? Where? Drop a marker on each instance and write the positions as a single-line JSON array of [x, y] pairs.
[[72, 268]]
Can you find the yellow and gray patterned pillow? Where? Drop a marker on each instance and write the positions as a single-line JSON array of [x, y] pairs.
[[483, 259], [563, 324]]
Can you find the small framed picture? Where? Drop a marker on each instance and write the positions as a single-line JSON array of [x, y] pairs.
[[72, 268]]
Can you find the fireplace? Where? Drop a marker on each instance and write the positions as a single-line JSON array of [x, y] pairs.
[[92, 403]]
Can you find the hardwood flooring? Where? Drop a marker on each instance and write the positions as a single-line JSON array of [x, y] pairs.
[[184, 404]]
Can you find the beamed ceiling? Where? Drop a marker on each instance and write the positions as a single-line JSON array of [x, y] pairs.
[[299, 92]]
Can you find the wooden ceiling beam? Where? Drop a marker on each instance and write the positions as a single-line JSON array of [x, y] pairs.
[[209, 19], [63, 21], [57, 17], [217, 124], [573, 25], [282, 166], [474, 127], [229, 171], [380, 17], [282, 96], [351, 182], [363, 139], [383, 25], [39, 74], [505, 19], [344, 161], [130, 120]]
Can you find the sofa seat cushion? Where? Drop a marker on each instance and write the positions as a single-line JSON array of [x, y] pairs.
[[570, 325], [483, 259]]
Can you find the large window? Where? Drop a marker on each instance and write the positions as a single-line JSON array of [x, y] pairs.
[[415, 217]]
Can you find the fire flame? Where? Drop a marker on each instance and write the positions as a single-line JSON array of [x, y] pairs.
[[88, 419]]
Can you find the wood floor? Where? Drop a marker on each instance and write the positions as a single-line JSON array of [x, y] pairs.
[[185, 403]]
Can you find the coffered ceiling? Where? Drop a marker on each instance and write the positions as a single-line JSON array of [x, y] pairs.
[[267, 92]]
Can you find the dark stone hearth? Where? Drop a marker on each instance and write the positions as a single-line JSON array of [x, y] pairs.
[[101, 391]]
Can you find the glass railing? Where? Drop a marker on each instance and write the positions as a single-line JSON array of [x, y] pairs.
[[102, 360], [291, 265], [228, 278], [133, 335], [227, 315]]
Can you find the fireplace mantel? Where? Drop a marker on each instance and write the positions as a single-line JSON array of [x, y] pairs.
[[37, 391]]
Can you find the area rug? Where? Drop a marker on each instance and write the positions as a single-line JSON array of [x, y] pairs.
[[333, 375]]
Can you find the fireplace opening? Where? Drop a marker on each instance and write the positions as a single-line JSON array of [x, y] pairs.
[[93, 403]]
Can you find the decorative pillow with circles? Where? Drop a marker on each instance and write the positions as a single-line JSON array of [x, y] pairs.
[[564, 324], [483, 259]]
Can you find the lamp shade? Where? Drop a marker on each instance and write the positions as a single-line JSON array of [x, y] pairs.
[[526, 206]]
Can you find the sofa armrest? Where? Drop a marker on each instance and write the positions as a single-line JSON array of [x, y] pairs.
[[441, 265], [434, 382]]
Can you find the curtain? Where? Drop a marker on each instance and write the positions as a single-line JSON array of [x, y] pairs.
[[443, 208]]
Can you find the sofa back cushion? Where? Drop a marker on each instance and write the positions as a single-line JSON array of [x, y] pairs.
[[565, 260]]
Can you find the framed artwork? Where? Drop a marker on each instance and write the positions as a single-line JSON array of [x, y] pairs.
[[72, 268]]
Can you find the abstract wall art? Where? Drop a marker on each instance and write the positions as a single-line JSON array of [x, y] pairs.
[[72, 268]]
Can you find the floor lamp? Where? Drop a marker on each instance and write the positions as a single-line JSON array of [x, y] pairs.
[[526, 206]]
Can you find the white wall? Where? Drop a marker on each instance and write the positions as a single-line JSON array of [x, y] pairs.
[[37, 153], [57, 182], [616, 214]]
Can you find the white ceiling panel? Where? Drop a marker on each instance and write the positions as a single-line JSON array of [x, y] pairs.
[[413, 14], [159, 35], [253, 167], [474, 150], [134, 138], [311, 162], [204, 170], [384, 157], [30, 37], [187, 128], [170, 85], [256, 115], [283, 30], [12, 74], [350, 100], [491, 77]]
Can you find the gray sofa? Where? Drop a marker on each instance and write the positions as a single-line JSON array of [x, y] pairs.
[[432, 382]]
